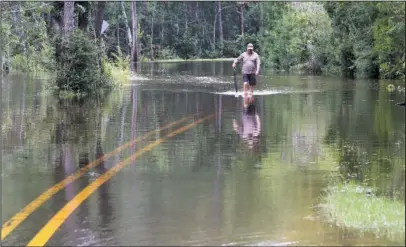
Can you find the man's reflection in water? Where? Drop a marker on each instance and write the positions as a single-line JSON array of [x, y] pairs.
[[250, 127]]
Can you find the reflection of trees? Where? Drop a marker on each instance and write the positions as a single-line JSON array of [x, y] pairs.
[[133, 118], [64, 166], [167, 107], [78, 137], [371, 139], [14, 104], [293, 127], [58, 137]]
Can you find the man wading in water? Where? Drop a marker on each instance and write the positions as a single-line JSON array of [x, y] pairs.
[[250, 68]]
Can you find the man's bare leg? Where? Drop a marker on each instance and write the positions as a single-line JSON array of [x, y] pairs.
[[251, 90], [246, 85]]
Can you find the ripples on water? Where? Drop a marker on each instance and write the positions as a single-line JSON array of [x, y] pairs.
[[209, 185]]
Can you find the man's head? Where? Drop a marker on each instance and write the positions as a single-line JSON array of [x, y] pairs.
[[250, 48]]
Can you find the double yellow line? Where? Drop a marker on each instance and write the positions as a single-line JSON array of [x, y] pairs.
[[47, 231]]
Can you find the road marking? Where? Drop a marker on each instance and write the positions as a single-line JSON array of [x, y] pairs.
[[17, 219], [42, 237]]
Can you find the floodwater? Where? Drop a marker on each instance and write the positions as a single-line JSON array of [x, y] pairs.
[[240, 177]]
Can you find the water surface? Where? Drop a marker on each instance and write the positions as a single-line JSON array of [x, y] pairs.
[[211, 185]]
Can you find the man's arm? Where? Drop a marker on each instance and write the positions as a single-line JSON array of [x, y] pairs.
[[236, 127], [238, 59], [258, 65], [258, 121]]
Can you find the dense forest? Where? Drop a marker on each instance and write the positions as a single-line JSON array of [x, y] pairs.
[[354, 39]]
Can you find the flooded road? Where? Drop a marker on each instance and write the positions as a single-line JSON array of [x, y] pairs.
[[230, 177]]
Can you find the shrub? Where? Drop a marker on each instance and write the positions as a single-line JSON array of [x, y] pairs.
[[78, 68]]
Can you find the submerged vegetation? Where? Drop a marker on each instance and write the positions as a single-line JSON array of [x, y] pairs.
[[367, 193], [356, 207]]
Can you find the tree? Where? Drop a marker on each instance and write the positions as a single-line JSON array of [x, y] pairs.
[[134, 50], [220, 25], [68, 19], [99, 18]]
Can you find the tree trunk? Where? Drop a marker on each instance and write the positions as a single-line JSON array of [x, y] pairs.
[[242, 19], [20, 15], [99, 18], [162, 29], [261, 9], [152, 32], [205, 35], [241, 12], [55, 22], [68, 19], [134, 53], [177, 26], [83, 18], [137, 43], [55, 27], [118, 37], [48, 24], [186, 12], [15, 18], [220, 25], [214, 28], [129, 37], [197, 11]]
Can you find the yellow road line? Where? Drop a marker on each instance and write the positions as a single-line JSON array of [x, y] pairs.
[[42, 237], [17, 219]]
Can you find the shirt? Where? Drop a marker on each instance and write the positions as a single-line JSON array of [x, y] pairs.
[[250, 62]]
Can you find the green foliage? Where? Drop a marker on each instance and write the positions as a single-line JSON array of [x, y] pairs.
[[389, 39], [354, 39], [39, 63], [233, 48], [299, 38], [187, 46], [25, 42], [118, 71], [370, 38], [166, 53], [78, 69]]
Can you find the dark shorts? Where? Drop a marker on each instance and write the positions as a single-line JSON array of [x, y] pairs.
[[250, 78]]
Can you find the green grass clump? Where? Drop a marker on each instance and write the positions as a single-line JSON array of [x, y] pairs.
[[117, 75], [353, 206], [118, 71]]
